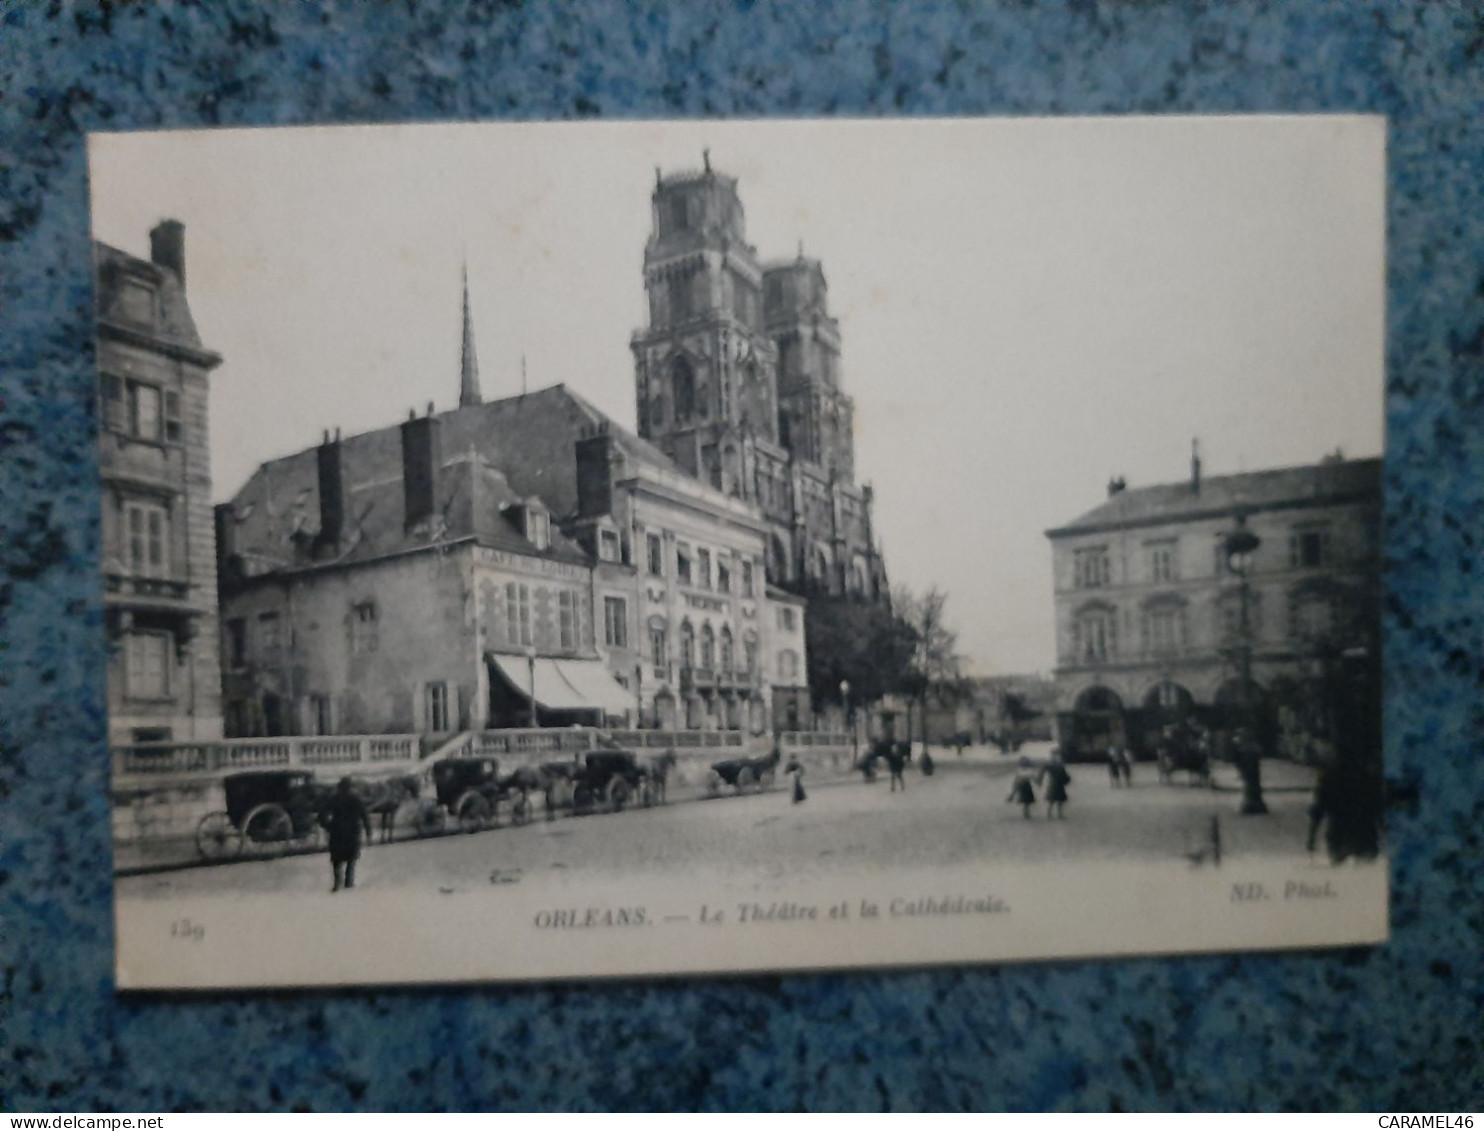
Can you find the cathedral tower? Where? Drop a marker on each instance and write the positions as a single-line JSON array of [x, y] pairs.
[[705, 380], [815, 418]]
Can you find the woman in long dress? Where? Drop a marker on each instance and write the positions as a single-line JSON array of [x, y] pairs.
[[1023, 788]]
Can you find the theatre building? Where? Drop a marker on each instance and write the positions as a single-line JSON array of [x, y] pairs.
[[389, 582], [159, 556], [1157, 620]]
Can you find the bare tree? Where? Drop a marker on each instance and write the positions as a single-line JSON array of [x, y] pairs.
[[936, 668]]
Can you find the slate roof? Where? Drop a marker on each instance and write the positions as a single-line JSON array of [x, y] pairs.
[[494, 455], [173, 324], [1332, 480]]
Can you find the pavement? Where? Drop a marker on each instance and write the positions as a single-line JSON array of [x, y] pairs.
[[957, 816]]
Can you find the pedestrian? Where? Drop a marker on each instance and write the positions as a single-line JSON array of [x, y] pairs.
[[1058, 778], [795, 769], [1022, 788], [896, 761], [1115, 764], [345, 818], [926, 765], [1126, 766]]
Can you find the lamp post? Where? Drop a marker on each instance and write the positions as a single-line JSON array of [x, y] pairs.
[[638, 696], [849, 717], [1240, 545], [531, 669]]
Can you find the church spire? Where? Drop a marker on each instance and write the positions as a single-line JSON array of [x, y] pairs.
[[468, 362]]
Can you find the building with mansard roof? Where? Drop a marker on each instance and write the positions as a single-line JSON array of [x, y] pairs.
[[159, 554], [509, 561], [738, 379], [1150, 615]]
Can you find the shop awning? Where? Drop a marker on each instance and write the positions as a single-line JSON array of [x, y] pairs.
[[566, 685]]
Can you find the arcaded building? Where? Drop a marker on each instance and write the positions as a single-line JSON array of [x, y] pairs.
[[739, 381], [1149, 611], [159, 551]]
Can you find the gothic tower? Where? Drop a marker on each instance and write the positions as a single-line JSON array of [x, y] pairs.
[[737, 379], [815, 418], [704, 367], [468, 360]]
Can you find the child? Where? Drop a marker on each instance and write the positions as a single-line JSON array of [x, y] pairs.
[[796, 770]]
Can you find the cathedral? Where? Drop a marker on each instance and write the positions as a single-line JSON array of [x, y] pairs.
[[738, 381]]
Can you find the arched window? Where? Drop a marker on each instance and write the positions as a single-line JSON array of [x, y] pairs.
[[708, 647], [777, 560], [687, 645], [683, 384], [727, 658]]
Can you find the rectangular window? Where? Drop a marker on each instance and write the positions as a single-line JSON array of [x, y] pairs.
[[144, 411], [723, 577], [567, 614], [1164, 630], [147, 665], [1308, 549], [786, 618], [146, 549], [236, 642], [747, 579], [749, 652], [438, 707], [363, 630], [658, 652], [1092, 568], [656, 555], [269, 635], [538, 528], [703, 568], [608, 545], [319, 715], [1162, 561], [615, 623], [518, 614], [682, 563]]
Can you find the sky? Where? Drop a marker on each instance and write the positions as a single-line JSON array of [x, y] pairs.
[[1028, 307]]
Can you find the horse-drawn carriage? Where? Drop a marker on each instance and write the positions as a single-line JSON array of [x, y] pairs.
[[1184, 747], [268, 812], [742, 774], [470, 791]]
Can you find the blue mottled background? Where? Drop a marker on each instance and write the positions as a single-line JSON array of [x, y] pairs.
[[1394, 1028]]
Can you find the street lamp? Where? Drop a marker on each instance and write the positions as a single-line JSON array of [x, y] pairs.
[[849, 717], [1240, 545], [638, 696], [531, 669]]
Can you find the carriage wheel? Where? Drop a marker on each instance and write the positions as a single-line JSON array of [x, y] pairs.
[[473, 812], [582, 799], [267, 830], [520, 808], [430, 819], [618, 794], [765, 780], [713, 784], [746, 776], [646, 793], [217, 838]]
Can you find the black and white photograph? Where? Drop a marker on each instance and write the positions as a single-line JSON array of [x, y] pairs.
[[587, 550]]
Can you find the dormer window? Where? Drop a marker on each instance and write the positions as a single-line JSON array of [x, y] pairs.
[[538, 527], [608, 545]]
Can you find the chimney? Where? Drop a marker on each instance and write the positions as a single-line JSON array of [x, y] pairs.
[[420, 459], [1116, 486], [1195, 467], [331, 494], [595, 471], [167, 247]]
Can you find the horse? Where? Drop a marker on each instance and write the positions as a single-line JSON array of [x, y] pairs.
[[657, 775], [384, 796], [739, 773], [558, 785], [517, 786]]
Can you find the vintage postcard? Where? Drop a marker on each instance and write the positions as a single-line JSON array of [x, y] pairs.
[[586, 550]]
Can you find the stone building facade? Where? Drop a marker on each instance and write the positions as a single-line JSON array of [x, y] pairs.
[[738, 380], [428, 577], [1149, 609], [159, 551]]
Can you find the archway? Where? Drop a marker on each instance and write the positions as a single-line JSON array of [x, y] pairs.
[[1095, 723]]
